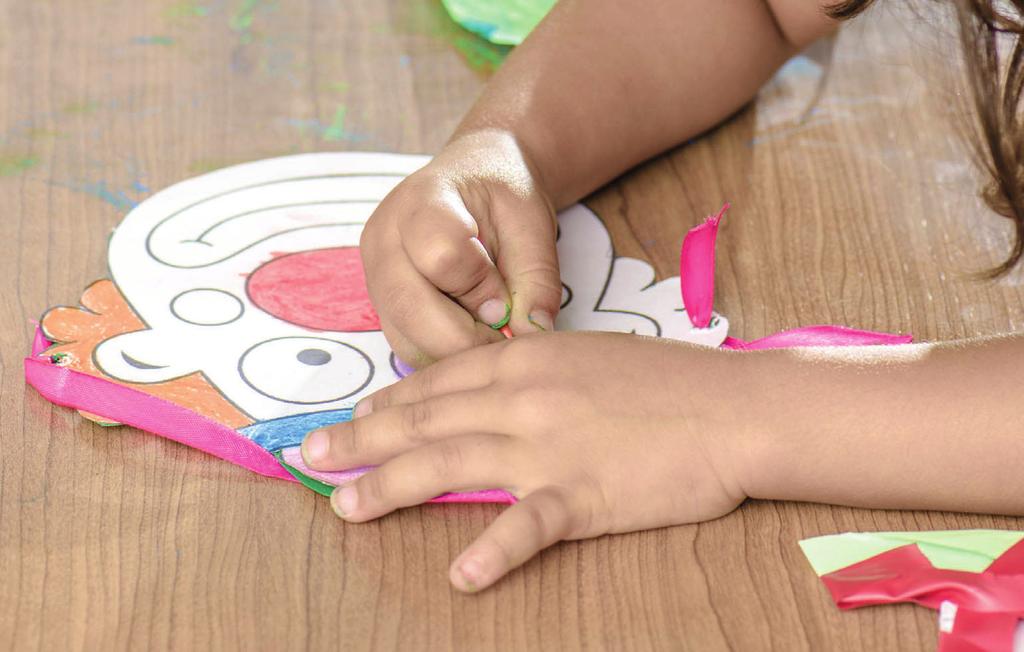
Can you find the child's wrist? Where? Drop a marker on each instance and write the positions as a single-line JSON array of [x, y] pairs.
[[509, 146], [760, 396]]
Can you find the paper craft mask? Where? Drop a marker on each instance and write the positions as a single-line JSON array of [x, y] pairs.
[[236, 318], [975, 578]]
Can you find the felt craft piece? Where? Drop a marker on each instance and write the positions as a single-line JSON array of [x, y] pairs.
[[975, 578], [236, 318], [502, 22]]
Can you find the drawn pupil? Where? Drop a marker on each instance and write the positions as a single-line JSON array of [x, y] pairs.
[[313, 357]]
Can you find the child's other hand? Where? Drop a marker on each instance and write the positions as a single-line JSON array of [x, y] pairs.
[[460, 248], [593, 432]]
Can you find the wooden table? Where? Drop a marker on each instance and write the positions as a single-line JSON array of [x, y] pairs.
[[860, 209]]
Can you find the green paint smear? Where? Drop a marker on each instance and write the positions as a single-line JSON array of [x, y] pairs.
[[15, 164], [430, 19], [480, 55], [186, 9], [336, 130], [321, 488], [338, 87], [82, 108], [154, 40], [242, 20], [503, 22], [964, 550]]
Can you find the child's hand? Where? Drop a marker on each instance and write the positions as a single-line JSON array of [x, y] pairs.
[[593, 432], [460, 248]]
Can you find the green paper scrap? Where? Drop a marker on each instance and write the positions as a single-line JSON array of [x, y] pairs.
[[502, 22], [963, 550], [321, 488]]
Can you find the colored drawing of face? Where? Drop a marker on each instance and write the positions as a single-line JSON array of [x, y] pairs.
[[251, 276]]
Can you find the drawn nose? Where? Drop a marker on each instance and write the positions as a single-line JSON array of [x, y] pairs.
[[321, 289]]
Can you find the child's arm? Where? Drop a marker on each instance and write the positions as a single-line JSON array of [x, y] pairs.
[[603, 85], [601, 432], [598, 87], [920, 426]]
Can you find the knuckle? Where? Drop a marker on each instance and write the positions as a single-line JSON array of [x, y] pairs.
[[447, 460], [424, 386], [380, 399], [374, 487], [442, 257], [355, 443], [416, 420]]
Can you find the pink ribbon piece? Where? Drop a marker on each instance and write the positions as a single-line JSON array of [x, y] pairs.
[[697, 269], [131, 407], [697, 285]]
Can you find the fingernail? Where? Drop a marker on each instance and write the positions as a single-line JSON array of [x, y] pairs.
[[472, 573], [344, 500], [362, 408], [542, 320], [315, 446], [495, 313]]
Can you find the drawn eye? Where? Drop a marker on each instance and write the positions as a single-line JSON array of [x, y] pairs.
[[306, 370]]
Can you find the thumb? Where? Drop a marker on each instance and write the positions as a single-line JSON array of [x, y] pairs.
[[529, 262]]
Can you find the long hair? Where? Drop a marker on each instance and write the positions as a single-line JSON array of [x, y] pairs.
[[996, 77]]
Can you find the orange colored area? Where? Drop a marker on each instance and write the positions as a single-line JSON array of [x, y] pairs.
[[103, 314]]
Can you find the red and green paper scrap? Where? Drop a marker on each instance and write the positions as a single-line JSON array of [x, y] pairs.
[[974, 578]]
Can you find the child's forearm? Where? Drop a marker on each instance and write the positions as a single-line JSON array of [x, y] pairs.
[[602, 85], [915, 427]]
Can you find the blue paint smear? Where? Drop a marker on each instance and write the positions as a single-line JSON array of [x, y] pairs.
[[404, 60], [99, 189], [285, 432], [138, 186]]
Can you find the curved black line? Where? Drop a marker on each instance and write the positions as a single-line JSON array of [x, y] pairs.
[[200, 237], [369, 378], [218, 195], [174, 312], [139, 364], [257, 242], [608, 279]]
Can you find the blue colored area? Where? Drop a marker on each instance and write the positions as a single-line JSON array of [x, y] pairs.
[[285, 432], [480, 27]]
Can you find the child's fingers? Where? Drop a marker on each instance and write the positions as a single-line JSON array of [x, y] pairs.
[[442, 243], [402, 347], [385, 433], [529, 262], [537, 521], [463, 463], [472, 369], [434, 324]]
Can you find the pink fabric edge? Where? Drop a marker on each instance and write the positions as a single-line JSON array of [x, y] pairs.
[[293, 457], [131, 407]]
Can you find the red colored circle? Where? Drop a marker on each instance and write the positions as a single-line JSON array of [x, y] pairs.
[[322, 290]]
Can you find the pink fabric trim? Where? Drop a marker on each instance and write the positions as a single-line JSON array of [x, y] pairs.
[[817, 336], [131, 407], [293, 457]]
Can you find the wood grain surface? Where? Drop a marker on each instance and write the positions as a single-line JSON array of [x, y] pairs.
[[858, 208]]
